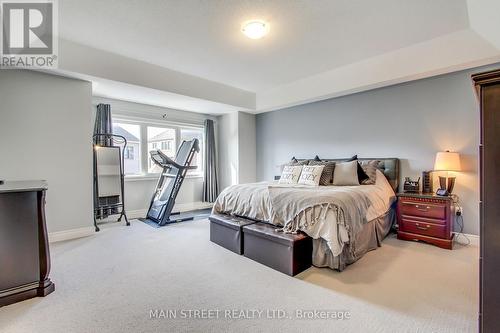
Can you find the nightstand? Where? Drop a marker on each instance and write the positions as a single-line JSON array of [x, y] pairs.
[[427, 218]]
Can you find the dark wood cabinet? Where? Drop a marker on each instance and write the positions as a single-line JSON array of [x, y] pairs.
[[488, 92], [24, 248], [427, 218]]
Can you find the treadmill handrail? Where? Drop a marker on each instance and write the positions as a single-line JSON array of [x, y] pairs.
[[171, 161]]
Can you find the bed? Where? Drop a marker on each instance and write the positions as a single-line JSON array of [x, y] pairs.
[[345, 222]]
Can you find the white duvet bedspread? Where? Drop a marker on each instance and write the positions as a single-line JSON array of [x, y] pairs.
[[253, 201]]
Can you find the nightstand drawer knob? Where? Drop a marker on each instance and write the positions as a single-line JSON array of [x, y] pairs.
[[422, 209], [422, 227]]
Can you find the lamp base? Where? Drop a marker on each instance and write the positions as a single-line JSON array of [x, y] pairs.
[[445, 186], [451, 184]]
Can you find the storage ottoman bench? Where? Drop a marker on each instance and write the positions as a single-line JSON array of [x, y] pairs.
[[225, 230], [287, 253]]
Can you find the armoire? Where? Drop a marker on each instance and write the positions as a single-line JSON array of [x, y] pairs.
[[488, 93]]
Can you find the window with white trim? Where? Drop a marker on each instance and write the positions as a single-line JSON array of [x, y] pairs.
[[131, 154], [158, 137], [128, 153], [195, 133], [144, 136]]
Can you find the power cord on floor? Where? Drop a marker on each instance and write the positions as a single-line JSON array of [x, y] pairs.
[[460, 221]]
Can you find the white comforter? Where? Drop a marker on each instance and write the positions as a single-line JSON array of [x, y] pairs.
[[253, 201]]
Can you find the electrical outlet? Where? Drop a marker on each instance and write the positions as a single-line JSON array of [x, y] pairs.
[[458, 211]]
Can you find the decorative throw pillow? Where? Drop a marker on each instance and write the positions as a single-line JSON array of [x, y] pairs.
[[290, 174], [346, 173], [311, 174], [294, 161], [327, 174], [370, 168], [362, 176]]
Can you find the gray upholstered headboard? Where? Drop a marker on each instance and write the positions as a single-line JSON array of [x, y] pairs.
[[389, 166]]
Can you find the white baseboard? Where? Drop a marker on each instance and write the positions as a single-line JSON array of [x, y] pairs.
[[136, 214], [192, 206], [182, 207], [59, 236], [474, 239]]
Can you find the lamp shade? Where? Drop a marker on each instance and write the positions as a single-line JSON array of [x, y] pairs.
[[447, 161]]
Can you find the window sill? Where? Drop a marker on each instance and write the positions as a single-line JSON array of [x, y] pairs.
[[136, 178]]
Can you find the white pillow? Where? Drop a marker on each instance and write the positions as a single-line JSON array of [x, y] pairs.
[[311, 174], [346, 173], [290, 174]]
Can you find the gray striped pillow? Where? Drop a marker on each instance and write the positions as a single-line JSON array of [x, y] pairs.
[[293, 162], [327, 174]]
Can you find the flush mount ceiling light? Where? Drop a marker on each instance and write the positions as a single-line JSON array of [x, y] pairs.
[[255, 29]]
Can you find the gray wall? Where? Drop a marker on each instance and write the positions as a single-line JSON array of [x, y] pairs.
[[247, 172], [46, 133], [411, 121], [227, 149], [236, 148]]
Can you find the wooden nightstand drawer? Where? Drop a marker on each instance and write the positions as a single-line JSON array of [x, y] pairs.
[[423, 209], [422, 228], [421, 219]]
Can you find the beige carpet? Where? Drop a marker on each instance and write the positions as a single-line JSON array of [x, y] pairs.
[[111, 281]]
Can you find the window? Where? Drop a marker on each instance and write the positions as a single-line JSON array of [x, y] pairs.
[[195, 133], [131, 156], [128, 154], [143, 136], [166, 145], [158, 137]]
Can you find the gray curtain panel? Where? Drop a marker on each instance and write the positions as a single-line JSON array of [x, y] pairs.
[[210, 183], [103, 125]]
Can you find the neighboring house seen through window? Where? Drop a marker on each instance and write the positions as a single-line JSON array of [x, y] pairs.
[[158, 137], [128, 154], [131, 159]]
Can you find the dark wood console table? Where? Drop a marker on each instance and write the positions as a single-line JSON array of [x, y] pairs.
[[24, 246]]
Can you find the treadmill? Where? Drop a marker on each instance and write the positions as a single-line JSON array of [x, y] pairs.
[[169, 183]]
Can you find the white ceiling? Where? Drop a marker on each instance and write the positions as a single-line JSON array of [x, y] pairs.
[[202, 38]]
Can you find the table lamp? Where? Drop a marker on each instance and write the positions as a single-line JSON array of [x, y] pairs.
[[446, 161]]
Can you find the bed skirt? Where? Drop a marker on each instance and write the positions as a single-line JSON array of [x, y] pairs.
[[369, 238]]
